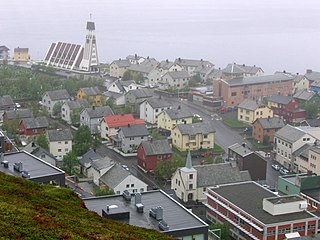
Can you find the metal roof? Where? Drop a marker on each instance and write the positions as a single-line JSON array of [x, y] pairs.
[[155, 147], [289, 133], [59, 135], [195, 128]]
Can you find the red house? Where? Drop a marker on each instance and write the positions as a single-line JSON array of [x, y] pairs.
[[286, 107], [33, 126], [150, 152]]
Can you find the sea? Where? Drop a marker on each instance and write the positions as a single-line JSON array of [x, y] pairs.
[[276, 35]]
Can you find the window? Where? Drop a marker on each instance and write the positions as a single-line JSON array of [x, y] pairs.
[[132, 184], [66, 149], [141, 189], [66, 142], [191, 176], [234, 94], [59, 142], [190, 186], [314, 204], [127, 186], [204, 189], [59, 150], [118, 192]]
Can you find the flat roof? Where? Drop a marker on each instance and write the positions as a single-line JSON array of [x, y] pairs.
[[35, 166], [174, 214], [313, 193], [249, 196], [285, 199]]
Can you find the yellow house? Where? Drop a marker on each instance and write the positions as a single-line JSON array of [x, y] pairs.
[[169, 118], [193, 136], [21, 54], [249, 111], [92, 94]]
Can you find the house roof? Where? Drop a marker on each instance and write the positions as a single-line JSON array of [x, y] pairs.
[[6, 100], [178, 113], [157, 102], [237, 68], [122, 120], [303, 151], [122, 63], [271, 123], [313, 193], [59, 135], [98, 112], [58, 94], [155, 147], [303, 95], [121, 84], [89, 156], [143, 68], [166, 64], [277, 98], [298, 78], [134, 130], [178, 74], [279, 77], [195, 128], [37, 151], [21, 50], [142, 93], [114, 176], [249, 196], [192, 62], [33, 123], [215, 73], [313, 76], [19, 113], [91, 91], [4, 48], [249, 104], [77, 104], [290, 134], [216, 174], [240, 150], [102, 163], [312, 122]]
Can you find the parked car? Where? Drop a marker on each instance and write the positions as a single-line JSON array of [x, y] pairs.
[[275, 167], [284, 171], [247, 130]]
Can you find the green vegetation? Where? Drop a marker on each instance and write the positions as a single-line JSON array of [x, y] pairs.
[[215, 160], [217, 149], [130, 75], [223, 230], [69, 162], [34, 211], [97, 191], [154, 133], [311, 108], [166, 168], [83, 140], [42, 141], [260, 146], [234, 123]]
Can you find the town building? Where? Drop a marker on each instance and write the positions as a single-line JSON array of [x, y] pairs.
[[152, 107], [152, 210], [193, 136], [119, 67], [92, 94], [191, 65], [254, 212], [98, 168], [60, 142], [153, 79], [130, 137], [141, 69], [234, 70], [315, 122], [263, 129], [25, 165], [300, 83], [133, 98], [4, 54], [312, 76], [308, 161], [303, 96], [120, 86], [33, 126], [168, 66], [175, 80], [50, 98], [70, 110], [43, 154], [249, 111], [190, 183], [16, 115], [248, 160], [235, 90], [21, 54], [151, 152], [86, 161], [135, 59], [6, 104]]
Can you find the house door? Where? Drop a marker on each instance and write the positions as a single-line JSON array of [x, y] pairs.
[[190, 196]]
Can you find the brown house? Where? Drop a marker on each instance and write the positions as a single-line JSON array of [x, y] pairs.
[[247, 160], [266, 127]]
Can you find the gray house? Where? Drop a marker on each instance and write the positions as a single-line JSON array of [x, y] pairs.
[[176, 80], [131, 136], [92, 117], [50, 98], [6, 103], [137, 96]]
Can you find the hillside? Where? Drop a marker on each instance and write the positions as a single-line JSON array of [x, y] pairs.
[[32, 211]]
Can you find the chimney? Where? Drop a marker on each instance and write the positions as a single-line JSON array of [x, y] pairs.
[[167, 60], [18, 166], [243, 65], [93, 107], [179, 59], [297, 74], [284, 71], [135, 56], [33, 144], [268, 118], [139, 205], [107, 208], [201, 60], [128, 124], [309, 70]]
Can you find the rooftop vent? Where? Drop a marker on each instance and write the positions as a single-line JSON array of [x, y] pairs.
[[5, 164], [163, 226], [17, 167], [25, 174], [138, 203], [156, 213], [126, 195]]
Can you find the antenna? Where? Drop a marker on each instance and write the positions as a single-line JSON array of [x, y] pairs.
[[90, 16]]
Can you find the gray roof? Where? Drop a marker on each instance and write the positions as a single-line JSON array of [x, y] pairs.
[[289, 133], [21, 50], [77, 104], [89, 156], [303, 95], [215, 174], [277, 98], [312, 122], [249, 196], [313, 76], [91, 91], [280, 77], [4, 48], [98, 112], [178, 74], [37, 151], [19, 113], [175, 215], [120, 84], [38, 122], [313, 193], [298, 78], [303, 151], [59, 135], [142, 68], [114, 176], [155, 147], [240, 150], [33, 165], [271, 123], [215, 73], [142, 93], [249, 104], [178, 113], [122, 63], [112, 95], [195, 128], [192, 62], [58, 95], [166, 64], [158, 102], [134, 130], [238, 69], [6, 100], [102, 163], [204, 69]]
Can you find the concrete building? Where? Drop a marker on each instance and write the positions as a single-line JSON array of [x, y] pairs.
[[152, 107], [130, 137], [175, 80], [240, 70], [60, 142], [249, 111]]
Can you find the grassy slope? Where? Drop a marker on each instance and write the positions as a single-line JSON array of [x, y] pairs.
[[32, 211]]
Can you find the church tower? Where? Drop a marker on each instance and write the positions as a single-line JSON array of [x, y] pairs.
[[90, 60]]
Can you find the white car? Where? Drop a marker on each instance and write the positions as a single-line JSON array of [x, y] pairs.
[[276, 167], [283, 171]]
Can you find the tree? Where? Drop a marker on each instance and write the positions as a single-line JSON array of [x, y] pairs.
[[130, 75], [110, 103], [42, 141], [166, 168], [83, 140], [69, 162], [225, 230], [56, 110], [97, 191], [266, 139], [194, 80], [311, 109]]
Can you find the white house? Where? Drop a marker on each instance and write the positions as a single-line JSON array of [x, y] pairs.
[[168, 66], [50, 98], [135, 59], [60, 142], [287, 141], [152, 107], [190, 183], [190, 65], [120, 86], [93, 116], [118, 67], [176, 80], [70, 107], [153, 78], [99, 168], [119, 179], [131, 136]]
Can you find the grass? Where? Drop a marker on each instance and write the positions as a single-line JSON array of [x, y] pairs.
[[217, 149], [32, 211], [260, 146], [234, 123]]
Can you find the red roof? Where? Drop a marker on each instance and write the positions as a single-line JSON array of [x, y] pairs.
[[121, 120]]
